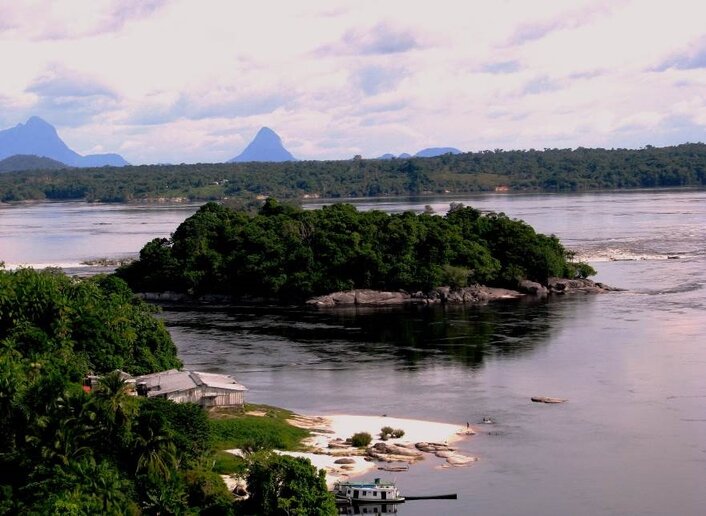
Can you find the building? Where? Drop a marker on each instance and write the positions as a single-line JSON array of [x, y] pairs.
[[205, 389]]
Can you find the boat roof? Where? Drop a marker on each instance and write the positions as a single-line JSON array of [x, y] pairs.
[[369, 485]]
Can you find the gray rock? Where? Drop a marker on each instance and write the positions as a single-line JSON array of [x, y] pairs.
[[533, 288]]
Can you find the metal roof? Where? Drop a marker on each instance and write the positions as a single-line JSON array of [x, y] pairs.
[[174, 381]]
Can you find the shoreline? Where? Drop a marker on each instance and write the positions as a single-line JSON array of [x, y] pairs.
[[328, 450]]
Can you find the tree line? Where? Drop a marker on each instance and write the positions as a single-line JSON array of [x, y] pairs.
[[289, 254], [72, 451], [551, 170]]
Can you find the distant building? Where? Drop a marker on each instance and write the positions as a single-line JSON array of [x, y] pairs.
[[205, 389]]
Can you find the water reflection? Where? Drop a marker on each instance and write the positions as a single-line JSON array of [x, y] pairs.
[[258, 337], [384, 508]]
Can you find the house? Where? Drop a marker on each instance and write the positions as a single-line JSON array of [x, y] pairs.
[[205, 389]]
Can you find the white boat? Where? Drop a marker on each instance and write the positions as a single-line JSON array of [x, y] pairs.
[[367, 492]]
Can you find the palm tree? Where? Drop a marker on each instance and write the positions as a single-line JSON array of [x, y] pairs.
[[113, 392], [154, 447]]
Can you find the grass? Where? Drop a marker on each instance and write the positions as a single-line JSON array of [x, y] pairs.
[[228, 464], [231, 429]]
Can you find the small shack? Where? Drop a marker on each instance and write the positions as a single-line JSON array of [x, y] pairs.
[[205, 389]]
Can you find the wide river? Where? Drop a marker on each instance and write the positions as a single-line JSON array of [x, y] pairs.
[[630, 440]]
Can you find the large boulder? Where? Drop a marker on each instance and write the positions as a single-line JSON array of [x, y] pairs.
[[533, 288]]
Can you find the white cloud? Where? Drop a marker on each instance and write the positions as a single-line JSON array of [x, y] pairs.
[[173, 81]]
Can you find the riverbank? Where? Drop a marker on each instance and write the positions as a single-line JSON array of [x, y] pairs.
[[329, 446]]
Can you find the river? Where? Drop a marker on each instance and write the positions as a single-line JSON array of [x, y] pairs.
[[630, 440]]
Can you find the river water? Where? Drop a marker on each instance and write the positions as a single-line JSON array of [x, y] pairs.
[[630, 440]]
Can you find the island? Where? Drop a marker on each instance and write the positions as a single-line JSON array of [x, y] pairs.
[[286, 254]]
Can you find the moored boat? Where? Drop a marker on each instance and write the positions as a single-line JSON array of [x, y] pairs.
[[367, 492]]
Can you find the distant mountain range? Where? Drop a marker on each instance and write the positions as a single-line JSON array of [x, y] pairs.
[[39, 138], [429, 152], [29, 162], [266, 146]]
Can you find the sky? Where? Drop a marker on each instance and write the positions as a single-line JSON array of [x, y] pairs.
[[182, 81]]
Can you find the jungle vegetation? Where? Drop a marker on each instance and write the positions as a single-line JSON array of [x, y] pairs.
[[290, 254], [550, 170], [71, 451]]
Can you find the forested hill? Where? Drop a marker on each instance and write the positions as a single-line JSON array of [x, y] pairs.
[[290, 254], [547, 170]]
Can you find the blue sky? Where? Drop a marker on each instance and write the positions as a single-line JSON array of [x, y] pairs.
[[185, 81]]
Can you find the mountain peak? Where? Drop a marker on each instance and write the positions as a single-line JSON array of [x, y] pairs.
[[35, 121], [38, 137], [266, 146]]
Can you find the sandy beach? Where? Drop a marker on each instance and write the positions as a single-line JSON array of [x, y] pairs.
[[328, 433]]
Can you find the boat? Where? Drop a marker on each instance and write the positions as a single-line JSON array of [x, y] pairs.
[[377, 491]]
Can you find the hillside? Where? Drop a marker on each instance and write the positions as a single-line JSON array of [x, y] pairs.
[[20, 162], [553, 170]]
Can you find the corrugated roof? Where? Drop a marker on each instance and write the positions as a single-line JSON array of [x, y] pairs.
[[174, 381]]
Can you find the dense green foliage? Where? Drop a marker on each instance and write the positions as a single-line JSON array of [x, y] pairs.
[[67, 451], [282, 485], [95, 324], [290, 254], [361, 439], [547, 170]]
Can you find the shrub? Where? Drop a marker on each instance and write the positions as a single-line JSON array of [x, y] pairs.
[[361, 439], [386, 431]]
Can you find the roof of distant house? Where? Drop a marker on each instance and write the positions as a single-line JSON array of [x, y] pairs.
[[173, 380]]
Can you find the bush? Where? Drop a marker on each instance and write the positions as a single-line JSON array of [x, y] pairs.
[[387, 431], [361, 439]]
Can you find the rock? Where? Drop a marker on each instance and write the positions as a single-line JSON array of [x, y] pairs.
[[375, 297], [533, 288], [460, 460], [433, 447], [444, 453], [393, 449], [360, 297], [547, 399], [566, 286], [473, 294], [344, 460]]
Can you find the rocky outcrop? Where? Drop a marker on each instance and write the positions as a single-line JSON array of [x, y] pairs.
[[361, 297], [473, 295], [533, 288], [570, 286]]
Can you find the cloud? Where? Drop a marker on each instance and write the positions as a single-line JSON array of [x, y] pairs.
[[692, 59], [564, 20], [381, 39], [501, 67], [200, 105], [539, 85], [61, 82], [376, 79], [71, 19], [68, 97]]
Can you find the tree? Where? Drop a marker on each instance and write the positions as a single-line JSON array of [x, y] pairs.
[[283, 485]]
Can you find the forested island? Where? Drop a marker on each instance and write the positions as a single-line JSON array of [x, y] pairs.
[[549, 170], [72, 451], [287, 254]]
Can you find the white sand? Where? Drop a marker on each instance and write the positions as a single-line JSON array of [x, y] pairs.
[[342, 426]]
